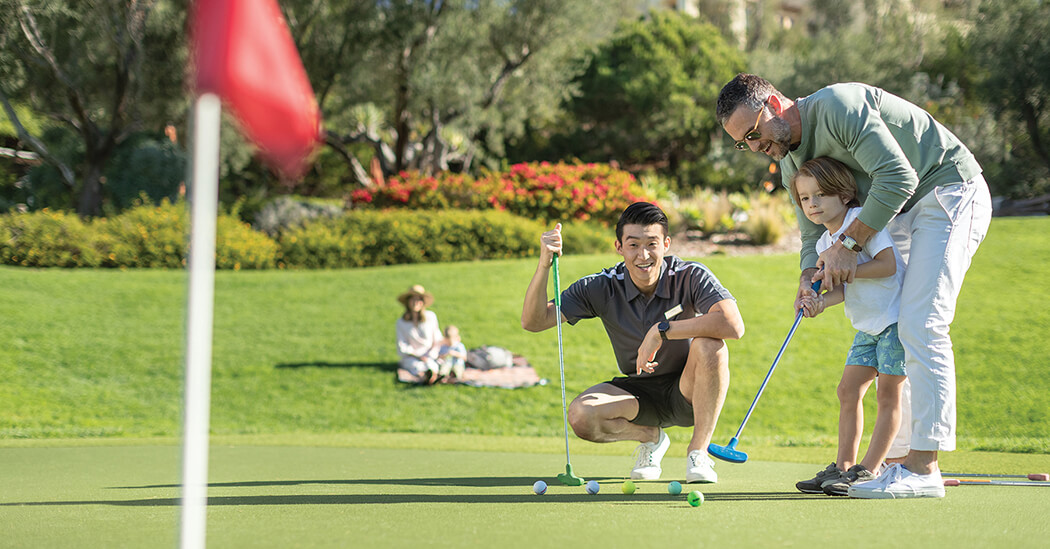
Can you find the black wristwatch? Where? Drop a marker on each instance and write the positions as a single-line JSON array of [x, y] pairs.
[[663, 326]]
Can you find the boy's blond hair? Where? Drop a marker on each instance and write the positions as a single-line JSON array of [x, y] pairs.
[[832, 176]]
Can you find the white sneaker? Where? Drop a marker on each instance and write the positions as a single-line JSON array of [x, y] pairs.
[[896, 482], [647, 467], [700, 468]]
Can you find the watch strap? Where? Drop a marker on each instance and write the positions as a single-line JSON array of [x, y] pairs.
[[850, 243]]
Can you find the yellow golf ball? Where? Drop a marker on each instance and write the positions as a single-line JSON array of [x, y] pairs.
[[628, 487]]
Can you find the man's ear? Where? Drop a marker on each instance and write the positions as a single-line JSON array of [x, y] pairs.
[[774, 102]]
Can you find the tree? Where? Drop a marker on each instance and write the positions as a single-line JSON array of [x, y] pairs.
[[446, 80], [1011, 43], [648, 95], [98, 69]]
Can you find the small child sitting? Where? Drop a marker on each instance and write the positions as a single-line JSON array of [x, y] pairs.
[[452, 355]]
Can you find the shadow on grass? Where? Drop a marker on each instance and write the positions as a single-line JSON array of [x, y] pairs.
[[469, 482], [385, 366], [417, 498]]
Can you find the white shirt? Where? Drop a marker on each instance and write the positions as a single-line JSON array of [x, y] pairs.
[[871, 304], [423, 339]]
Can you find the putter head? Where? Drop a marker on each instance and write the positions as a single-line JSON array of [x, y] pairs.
[[728, 452], [569, 479]]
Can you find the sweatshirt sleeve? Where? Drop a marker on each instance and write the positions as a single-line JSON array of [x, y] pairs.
[[862, 131]]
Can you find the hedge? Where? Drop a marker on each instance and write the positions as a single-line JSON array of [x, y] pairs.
[[156, 237]]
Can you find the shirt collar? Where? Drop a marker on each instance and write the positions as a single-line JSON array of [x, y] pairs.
[[663, 286]]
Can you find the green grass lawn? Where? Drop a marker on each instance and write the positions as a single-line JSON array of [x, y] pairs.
[[99, 353], [427, 490]]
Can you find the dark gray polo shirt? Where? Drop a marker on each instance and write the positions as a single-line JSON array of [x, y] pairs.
[[686, 289]]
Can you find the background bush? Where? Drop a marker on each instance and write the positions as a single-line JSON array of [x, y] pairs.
[[544, 191], [48, 239], [368, 237]]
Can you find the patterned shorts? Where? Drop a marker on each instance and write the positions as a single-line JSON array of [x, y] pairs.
[[883, 352]]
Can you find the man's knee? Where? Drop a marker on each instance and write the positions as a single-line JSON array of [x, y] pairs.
[[584, 417], [708, 353]]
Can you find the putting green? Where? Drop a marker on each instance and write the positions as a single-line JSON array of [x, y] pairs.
[[295, 496]]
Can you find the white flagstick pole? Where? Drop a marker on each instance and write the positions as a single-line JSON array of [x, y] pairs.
[[204, 197]]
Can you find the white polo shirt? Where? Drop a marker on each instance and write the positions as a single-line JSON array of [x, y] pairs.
[[871, 304]]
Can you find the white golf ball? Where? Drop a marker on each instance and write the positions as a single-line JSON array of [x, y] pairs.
[[592, 487], [540, 487]]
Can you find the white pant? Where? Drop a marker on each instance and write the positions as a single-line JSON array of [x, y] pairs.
[[937, 239]]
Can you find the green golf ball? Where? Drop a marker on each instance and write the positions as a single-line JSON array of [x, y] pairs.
[[695, 498], [628, 487], [674, 488]]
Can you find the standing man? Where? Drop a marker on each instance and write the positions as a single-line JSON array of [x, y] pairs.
[[916, 178], [667, 320]]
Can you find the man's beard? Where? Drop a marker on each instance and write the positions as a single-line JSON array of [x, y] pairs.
[[779, 137]]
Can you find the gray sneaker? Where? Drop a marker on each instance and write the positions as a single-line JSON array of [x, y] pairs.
[[854, 475], [815, 484]]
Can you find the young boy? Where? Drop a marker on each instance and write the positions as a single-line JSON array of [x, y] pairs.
[[825, 191]]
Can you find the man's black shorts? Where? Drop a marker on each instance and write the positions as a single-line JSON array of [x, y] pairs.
[[660, 401]]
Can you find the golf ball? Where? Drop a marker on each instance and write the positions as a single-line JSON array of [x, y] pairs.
[[628, 487], [695, 498], [540, 487], [674, 488], [592, 487]]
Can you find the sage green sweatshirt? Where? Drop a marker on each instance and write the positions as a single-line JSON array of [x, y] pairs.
[[898, 153]]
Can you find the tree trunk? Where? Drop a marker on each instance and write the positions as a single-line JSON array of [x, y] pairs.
[[90, 200], [1031, 118]]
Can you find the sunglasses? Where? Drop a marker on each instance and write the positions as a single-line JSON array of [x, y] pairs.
[[753, 135]]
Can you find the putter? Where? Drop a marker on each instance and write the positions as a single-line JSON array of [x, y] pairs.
[[567, 478], [957, 482], [1029, 476], [729, 452]]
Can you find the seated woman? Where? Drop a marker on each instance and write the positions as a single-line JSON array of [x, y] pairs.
[[418, 336]]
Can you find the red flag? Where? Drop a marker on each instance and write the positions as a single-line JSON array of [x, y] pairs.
[[244, 53]]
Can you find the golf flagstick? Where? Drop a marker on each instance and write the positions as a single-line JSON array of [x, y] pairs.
[[729, 452], [567, 478]]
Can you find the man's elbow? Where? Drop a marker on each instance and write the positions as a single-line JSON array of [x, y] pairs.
[[735, 329], [732, 324], [531, 326]]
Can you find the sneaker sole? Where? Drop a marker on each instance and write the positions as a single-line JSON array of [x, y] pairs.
[[891, 495], [701, 481], [643, 476]]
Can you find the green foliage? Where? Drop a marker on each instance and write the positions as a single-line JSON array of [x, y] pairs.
[[100, 70], [370, 238], [646, 96], [47, 239], [145, 165], [147, 236], [1011, 42], [238, 247]]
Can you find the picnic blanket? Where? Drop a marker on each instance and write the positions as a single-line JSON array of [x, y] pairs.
[[519, 374]]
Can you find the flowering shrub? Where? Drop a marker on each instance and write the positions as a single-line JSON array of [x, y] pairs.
[[543, 191], [47, 239]]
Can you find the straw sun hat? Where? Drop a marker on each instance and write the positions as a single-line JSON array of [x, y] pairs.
[[416, 290]]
